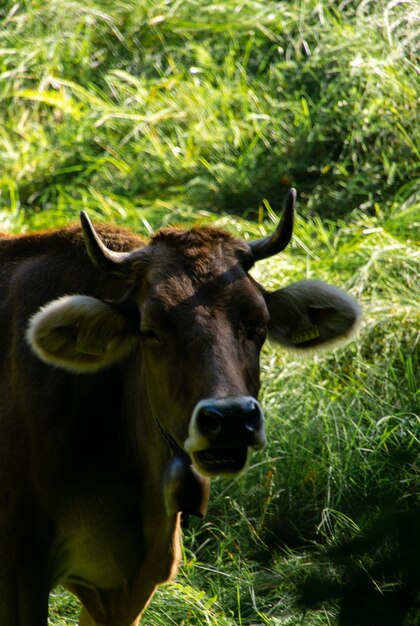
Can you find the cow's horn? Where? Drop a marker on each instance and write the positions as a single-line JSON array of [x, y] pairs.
[[99, 254], [271, 245]]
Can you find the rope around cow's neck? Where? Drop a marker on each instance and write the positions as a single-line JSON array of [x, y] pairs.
[[169, 440]]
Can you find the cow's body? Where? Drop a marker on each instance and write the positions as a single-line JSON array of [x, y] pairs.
[[146, 362], [72, 480]]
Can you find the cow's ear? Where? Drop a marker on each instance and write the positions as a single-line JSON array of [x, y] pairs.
[[81, 334], [308, 314]]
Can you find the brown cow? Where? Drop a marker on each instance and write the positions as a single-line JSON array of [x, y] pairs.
[[129, 376]]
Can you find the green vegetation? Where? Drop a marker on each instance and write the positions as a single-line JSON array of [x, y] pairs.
[[153, 112]]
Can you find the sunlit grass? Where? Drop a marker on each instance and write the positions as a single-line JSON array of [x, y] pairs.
[[212, 106]]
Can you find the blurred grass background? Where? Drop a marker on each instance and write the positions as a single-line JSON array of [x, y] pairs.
[[149, 113]]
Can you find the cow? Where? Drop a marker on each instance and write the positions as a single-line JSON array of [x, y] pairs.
[[130, 378]]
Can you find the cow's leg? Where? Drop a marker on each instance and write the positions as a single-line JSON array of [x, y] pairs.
[[111, 607], [24, 573], [23, 601], [24, 588], [124, 606]]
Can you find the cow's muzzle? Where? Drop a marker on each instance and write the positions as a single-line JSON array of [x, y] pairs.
[[222, 431]]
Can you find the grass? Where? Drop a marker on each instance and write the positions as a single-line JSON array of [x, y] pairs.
[[113, 106], [148, 113]]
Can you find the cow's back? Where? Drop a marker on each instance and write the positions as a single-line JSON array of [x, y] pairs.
[[49, 263]]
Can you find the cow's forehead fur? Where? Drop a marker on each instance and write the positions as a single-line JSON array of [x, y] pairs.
[[184, 262], [202, 250], [193, 237]]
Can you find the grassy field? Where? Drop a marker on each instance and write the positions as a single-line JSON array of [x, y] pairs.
[[149, 113]]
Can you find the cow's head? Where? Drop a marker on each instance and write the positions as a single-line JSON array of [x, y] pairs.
[[199, 321]]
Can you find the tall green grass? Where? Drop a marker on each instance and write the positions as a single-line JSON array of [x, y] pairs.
[[148, 113], [115, 105]]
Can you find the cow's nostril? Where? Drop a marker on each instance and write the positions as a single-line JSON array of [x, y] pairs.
[[254, 419], [209, 421]]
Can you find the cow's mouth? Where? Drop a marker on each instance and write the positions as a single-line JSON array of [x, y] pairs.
[[220, 461]]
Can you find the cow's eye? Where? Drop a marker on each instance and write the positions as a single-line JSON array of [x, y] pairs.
[[149, 335], [254, 332]]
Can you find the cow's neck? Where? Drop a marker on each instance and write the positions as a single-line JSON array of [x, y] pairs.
[[164, 468]]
